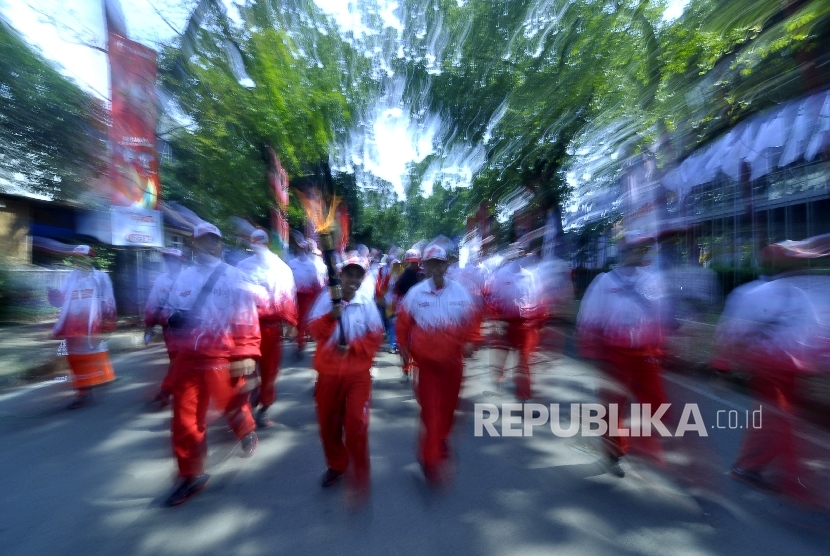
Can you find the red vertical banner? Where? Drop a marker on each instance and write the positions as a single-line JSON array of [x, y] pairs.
[[279, 224], [134, 177], [278, 180], [343, 222]]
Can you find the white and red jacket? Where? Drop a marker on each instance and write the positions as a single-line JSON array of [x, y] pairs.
[[625, 309], [779, 325], [153, 309], [87, 310], [382, 283], [156, 301], [368, 286], [473, 277], [434, 324], [515, 293], [227, 325], [308, 278], [362, 328], [273, 285]]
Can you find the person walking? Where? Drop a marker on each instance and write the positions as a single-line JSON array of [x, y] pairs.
[[159, 293], [212, 314], [437, 326], [348, 335], [87, 313], [275, 296]]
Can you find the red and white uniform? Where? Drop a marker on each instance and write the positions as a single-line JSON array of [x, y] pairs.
[[432, 326], [777, 326], [623, 311], [369, 284], [274, 291], [157, 299], [622, 322], [776, 330], [382, 284], [226, 328], [310, 281], [515, 293], [87, 311], [515, 296], [154, 314], [344, 385], [473, 277]]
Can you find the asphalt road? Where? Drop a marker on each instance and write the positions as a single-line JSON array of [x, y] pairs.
[[92, 481]]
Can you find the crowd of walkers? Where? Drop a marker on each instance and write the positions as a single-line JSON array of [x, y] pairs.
[[225, 328]]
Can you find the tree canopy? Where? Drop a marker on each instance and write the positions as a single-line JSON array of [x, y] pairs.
[[535, 86], [51, 132], [530, 103]]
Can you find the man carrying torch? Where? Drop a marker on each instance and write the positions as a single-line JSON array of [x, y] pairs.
[[348, 331]]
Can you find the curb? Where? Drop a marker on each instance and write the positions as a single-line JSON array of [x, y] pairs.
[[119, 342]]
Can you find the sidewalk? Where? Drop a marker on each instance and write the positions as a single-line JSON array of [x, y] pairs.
[[28, 352]]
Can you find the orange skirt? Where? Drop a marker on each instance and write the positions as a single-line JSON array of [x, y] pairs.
[[91, 369]]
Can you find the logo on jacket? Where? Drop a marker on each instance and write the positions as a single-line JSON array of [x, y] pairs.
[[184, 294]]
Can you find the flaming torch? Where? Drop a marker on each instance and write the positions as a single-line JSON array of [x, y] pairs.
[[324, 225]]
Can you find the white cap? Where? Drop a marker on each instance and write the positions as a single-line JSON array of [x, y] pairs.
[[205, 228], [635, 238], [259, 236], [435, 252], [354, 258], [83, 250], [412, 256], [170, 252]]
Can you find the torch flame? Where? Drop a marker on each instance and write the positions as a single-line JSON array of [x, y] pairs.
[[315, 210]]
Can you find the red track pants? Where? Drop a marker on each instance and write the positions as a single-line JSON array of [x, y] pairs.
[[437, 390], [343, 411], [775, 438], [304, 303], [524, 339], [269, 362], [195, 382], [637, 377]]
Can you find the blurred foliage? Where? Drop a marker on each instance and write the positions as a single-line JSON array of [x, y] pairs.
[[539, 86], [723, 61], [51, 132], [542, 84], [222, 125], [384, 219]]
